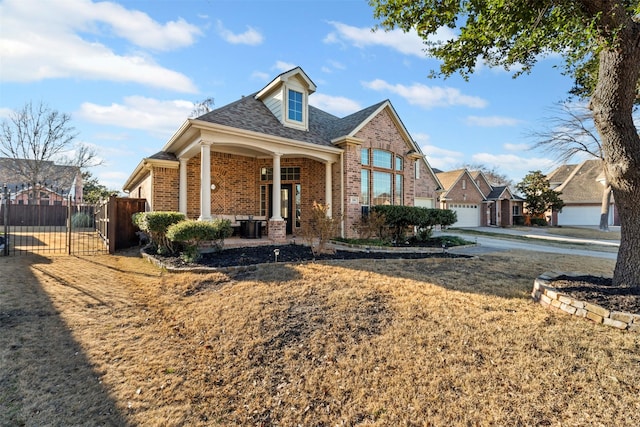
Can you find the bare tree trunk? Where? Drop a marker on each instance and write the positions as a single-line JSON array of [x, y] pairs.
[[604, 209], [612, 106]]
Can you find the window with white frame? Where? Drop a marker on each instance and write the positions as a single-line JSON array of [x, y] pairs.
[[295, 105]]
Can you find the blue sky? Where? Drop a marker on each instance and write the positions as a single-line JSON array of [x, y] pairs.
[[128, 73]]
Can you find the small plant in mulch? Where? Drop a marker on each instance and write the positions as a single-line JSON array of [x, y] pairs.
[[321, 229]]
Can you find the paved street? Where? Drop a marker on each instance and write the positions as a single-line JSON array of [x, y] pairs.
[[542, 243]]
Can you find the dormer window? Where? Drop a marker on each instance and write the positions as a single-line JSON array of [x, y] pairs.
[[295, 105], [287, 97]]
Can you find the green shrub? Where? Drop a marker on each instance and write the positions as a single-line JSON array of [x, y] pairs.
[[539, 222], [81, 220], [155, 224], [191, 232], [372, 225], [399, 218]]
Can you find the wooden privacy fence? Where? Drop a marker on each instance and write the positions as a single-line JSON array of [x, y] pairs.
[[114, 224], [77, 229]]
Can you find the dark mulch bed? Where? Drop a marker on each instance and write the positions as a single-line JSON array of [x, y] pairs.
[[290, 253], [600, 291]]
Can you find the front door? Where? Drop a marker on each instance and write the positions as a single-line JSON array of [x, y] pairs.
[[286, 205]]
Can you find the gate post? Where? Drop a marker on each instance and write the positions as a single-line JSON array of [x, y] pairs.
[[112, 223], [69, 213], [5, 202]]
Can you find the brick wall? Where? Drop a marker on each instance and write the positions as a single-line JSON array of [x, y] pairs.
[[237, 181], [484, 187], [165, 189], [468, 195], [382, 133]]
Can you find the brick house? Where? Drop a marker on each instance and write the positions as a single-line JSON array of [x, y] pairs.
[[582, 187], [476, 201], [222, 163], [41, 182]]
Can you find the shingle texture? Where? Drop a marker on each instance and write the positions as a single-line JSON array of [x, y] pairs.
[[55, 176], [251, 114], [582, 185]]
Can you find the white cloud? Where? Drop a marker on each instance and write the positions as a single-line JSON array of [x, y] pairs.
[[113, 180], [406, 43], [251, 37], [333, 65], [43, 40], [283, 66], [516, 147], [428, 96], [259, 75], [441, 158], [5, 113], [422, 138], [513, 166], [137, 112], [337, 105], [491, 121]]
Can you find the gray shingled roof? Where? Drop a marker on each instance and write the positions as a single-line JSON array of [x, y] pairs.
[[163, 155], [496, 192], [582, 185], [560, 174], [55, 176], [251, 114]]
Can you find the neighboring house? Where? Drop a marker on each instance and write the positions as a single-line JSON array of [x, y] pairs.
[[476, 201], [582, 186], [503, 208], [54, 185], [271, 155]]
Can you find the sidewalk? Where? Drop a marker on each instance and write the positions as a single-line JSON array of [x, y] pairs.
[[532, 233]]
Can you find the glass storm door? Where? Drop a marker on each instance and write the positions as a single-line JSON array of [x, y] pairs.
[[286, 205]]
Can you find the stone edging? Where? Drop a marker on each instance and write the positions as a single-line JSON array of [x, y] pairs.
[[552, 298]]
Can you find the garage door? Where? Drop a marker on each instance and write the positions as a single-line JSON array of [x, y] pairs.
[[468, 215], [423, 202], [582, 215]]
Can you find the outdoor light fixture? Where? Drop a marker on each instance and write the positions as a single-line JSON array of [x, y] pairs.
[[276, 252]]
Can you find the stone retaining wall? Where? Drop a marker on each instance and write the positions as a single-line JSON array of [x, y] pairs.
[[553, 298]]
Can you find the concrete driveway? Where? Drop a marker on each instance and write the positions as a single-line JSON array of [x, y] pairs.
[[536, 241]]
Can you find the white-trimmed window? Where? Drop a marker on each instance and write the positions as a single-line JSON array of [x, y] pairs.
[[295, 106]]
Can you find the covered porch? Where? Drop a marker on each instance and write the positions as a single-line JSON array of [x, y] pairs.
[[223, 174]]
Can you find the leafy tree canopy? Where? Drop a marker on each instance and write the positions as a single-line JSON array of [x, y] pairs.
[[599, 41], [93, 191], [512, 35], [539, 197]]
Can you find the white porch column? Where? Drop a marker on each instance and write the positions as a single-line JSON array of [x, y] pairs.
[[327, 188], [205, 180], [182, 192], [275, 197]]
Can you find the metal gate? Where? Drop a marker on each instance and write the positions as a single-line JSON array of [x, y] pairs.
[[67, 228]]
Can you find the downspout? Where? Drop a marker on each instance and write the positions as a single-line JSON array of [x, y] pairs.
[[342, 194]]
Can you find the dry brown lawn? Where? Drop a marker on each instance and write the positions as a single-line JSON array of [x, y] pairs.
[[112, 340], [584, 233]]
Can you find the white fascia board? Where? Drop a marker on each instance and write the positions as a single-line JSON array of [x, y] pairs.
[[259, 141]]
